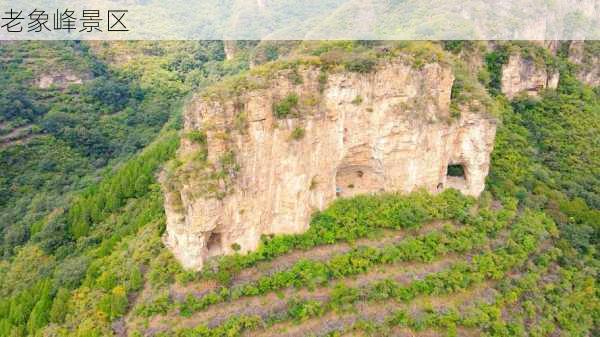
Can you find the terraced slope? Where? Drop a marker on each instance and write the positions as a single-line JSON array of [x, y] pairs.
[[461, 268]]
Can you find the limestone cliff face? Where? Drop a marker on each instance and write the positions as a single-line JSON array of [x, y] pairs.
[[389, 130], [523, 75]]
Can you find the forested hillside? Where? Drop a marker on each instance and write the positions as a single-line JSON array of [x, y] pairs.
[[81, 211], [106, 102]]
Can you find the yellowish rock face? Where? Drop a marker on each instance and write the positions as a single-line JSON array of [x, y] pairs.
[[346, 134]]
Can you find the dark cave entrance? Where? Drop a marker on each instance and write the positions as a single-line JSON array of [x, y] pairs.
[[456, 170], [214, 243], [456, 177]]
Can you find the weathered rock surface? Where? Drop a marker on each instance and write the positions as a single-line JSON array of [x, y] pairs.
[[523, 75], [60, 80], [389, 130], [588, 62]]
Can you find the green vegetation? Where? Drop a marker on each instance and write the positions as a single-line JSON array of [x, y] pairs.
[[197, 137], [357, 100], [494, 60], [545, 156], [77, 133], [297, 133], [91, 261], [358, 261], [330, 57], [286, 107], [131, 180], [80, 207], [456, 170], [525, 238], [360, 64], [350, 220]]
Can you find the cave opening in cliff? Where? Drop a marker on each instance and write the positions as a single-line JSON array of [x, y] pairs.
[[214, 243], [456, 170], [356, 179], [456, 176]]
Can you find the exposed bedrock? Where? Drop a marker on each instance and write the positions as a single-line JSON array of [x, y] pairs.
[[524, 75], [351, 133]]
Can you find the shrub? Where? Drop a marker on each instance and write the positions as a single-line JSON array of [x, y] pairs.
[[301, 310], [357, 100], [360, 64], [110, 92], [160, 305], [295, 77], [297, 133], [59, 308], [322, 80], [494, 62], [70, 273], [196, 136], [455, 46], [114, 304], [284, 108], [342, 297]]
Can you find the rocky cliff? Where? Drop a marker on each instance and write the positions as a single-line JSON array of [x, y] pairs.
[[262, 160], [521, 74]]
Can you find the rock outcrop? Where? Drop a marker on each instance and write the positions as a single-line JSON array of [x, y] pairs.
[[343, 134], [524, 75], [583, 55], [61, 80]]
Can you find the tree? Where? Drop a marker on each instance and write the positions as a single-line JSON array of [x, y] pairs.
[[70, 272], [114, 304], [60, 306], [110, 92], [39, 316]]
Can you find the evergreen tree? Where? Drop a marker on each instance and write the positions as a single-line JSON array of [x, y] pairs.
[[60, 306]]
